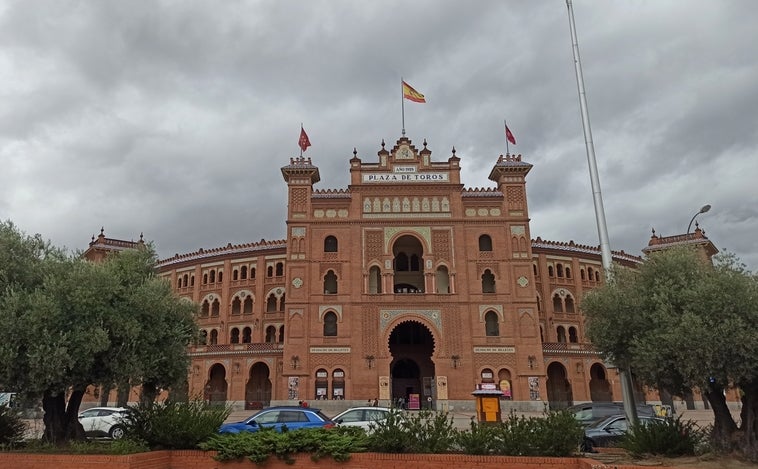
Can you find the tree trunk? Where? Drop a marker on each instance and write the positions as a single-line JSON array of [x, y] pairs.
[[74, 428], [749, 418], [54, 407], [122, 395], [149, 393], [723, 422]]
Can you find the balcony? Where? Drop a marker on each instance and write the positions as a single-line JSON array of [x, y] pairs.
[[571, 348], [237, 349]]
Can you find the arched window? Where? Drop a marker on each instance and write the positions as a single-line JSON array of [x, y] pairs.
[[270, 271], [235, 336], [203, 337], [205, 279], [243, 272], [279, 269], [179, 282], [281, 302], [590, 274], [235, 274], [561, 334], [572, 335], [247, 335], [205, 309], [557, 303], [236, 305], [281, 334], [185, 279], [220, 276], [252, 273], [330, 244], [442, 280], [192, 280], [215, 307], [568, 272], [247, 307], [559, 270], [322, 384], [581, 274], [214, 337], [488, 282], [330, 283], [212, 276], [270, 334], [485, 243], [550, 272], [569, 304], [491, 325], [539, 303], [271, 303], [374, 280], [330, 324]]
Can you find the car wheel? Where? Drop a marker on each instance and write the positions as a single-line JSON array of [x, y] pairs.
[[117, 432], [587, 446]]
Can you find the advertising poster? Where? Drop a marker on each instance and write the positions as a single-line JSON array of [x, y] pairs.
[[534, 388], [292, 388]]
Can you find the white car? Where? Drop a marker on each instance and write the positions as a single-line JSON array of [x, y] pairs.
[[103, 421], [362, 416]]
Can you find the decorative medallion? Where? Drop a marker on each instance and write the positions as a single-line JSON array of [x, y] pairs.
[[297, 282], [523, 281]]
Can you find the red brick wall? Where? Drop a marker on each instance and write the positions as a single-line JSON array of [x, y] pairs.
[[203, 460]]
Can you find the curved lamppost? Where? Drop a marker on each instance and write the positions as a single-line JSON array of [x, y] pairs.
[[703, 209]]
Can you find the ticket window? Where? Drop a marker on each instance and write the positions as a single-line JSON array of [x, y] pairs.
[[322, 385], [338, 384]]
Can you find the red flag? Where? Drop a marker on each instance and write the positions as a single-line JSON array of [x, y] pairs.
[[412, 95], [304, 142], [509, 135]]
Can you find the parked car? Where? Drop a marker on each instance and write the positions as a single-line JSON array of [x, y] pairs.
[[362, 416], [609, 431], [103, 422], [590, 412], [292, 417]]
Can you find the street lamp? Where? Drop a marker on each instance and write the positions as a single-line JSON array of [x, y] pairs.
[[703, 209]]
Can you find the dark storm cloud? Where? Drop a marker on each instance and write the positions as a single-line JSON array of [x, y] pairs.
[[174, 118]]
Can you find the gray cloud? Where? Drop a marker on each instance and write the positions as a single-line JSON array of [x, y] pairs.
[[173, 118]]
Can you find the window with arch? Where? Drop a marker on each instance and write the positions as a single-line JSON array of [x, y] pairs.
[[279, 269], [568, 272], [569, 300], [488, 282], [236, 306], [215, 308], [330, 244], [192, 280], [330, 283], [205, 309], [185, 279], [220, 277], [559, 270], [252, 273], [270, 271], [491, 324], [270, 334], [214, 337], [581, 274], [271, 303], [234, 336], [179, 282], [235, 274], [330, 324], [212, 276], [203, 337], [281, 302], [247, 305], [322, 384], [557, 303], [573, 337], [374, 280], [243, 272], [205, 279], [442, 280], [281, 334], [550, 271], [247, 335], [590, 274], [561, 334], [338, 384], [485, 243]]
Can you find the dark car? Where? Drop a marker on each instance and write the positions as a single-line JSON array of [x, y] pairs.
[[608, 431], [292, 417], [590, 412]]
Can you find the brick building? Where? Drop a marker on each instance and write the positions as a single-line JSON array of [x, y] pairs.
[[406, 285]]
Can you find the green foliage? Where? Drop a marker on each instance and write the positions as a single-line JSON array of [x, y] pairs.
[[480, 439], [12, 427], [555, 434], [336, 443], [670, 438], [116, 447], [173, 425], [420, 432]]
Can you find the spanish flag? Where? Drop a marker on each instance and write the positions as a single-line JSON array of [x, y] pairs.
[[412, 95]]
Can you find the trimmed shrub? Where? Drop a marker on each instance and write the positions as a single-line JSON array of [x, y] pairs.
[[12, 427], [421, 432], [669, 437], [174, 425]]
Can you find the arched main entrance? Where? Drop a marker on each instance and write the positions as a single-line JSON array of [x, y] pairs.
[[411, 345], [215, 388], [258, 387], [600, 388], [559, 393]]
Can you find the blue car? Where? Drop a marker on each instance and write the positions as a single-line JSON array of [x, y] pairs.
[[292, 417]]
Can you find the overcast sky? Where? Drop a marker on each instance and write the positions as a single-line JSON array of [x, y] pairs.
[[173, 118]]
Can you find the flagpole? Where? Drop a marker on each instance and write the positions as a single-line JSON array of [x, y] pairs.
[[402, 104], [627, 387], [507, 151], [301, 133]]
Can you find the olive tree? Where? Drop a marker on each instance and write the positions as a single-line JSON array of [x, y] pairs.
[[66, 324], [683, 323]]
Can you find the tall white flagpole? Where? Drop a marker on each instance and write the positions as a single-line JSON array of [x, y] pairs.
[[627, 393], [402, 103]]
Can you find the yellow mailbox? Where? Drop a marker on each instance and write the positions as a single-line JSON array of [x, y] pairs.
[[488, 405]]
